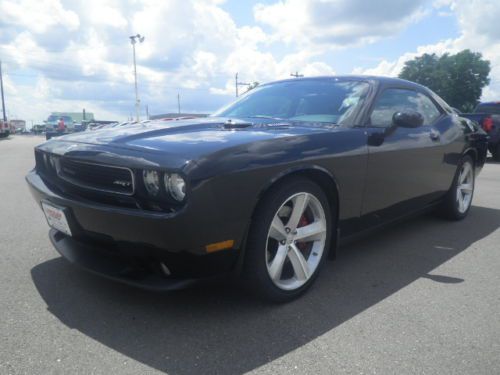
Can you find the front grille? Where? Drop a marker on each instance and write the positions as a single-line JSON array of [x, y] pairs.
[[98, 177], [89, 182]]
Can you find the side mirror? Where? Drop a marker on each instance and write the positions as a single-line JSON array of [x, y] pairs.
[[408, 119]]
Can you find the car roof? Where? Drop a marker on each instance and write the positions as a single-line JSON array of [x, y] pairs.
[[385, 81]]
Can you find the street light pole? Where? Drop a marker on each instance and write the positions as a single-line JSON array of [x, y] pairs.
[[133, 40]]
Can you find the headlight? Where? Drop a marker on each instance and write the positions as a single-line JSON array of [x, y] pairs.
[[151, 181], [176, 186]]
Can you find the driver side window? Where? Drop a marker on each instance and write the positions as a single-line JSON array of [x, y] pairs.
[[395, 100]]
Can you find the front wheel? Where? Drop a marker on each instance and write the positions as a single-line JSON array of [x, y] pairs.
[[288, 240], [458, 200]]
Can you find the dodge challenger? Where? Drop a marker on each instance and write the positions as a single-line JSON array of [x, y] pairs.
[[266, 188]]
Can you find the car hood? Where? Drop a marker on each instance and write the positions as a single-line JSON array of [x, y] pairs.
[[189, 139]]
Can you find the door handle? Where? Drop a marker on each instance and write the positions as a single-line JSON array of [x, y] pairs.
[[434, 134]]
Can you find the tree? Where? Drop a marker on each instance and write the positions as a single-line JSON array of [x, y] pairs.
[[459, 79]]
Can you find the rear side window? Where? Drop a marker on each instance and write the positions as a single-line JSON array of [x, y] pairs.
[[492, 109], [395, 100]]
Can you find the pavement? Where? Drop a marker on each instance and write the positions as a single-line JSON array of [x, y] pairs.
[[422, 297]]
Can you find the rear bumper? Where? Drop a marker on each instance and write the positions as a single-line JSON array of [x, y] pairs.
[[108, 240]]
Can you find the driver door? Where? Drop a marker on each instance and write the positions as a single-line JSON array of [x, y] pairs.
[[402, 162]]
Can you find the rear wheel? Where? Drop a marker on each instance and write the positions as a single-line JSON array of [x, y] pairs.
[[288, 240], [459, 198]]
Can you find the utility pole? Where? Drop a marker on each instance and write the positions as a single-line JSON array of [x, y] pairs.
[[235, 86], [236, 83], [1, 89], [133, 40], [178, 103], [296, 74], [147, 112]]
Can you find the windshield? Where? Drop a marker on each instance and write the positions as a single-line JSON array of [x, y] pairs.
[[488, 108], [330, 101]]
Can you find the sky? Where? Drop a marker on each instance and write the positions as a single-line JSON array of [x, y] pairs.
[[62, 55]]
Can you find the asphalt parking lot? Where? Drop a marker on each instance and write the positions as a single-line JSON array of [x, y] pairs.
[[419, 298]]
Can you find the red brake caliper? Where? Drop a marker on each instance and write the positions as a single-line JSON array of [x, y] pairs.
[[302, 223]]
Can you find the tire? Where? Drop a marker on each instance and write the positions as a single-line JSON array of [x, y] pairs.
[[274, 249], [455, 205]]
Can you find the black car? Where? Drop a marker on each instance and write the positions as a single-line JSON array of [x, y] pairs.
[[487, 115], [266, 188]]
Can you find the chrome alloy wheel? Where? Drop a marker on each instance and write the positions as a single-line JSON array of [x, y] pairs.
[[465, 187], [296, 241]]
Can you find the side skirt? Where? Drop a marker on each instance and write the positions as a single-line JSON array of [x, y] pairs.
[[376, 228]]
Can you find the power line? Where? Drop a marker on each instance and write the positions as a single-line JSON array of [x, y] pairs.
[[100, 79], [75, 69], [94, 78]]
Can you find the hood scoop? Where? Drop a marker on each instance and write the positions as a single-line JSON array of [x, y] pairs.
[[232, 124]]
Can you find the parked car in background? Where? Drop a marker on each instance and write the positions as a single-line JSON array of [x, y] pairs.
[[4, 129], [39, 129], [266, 188], [79, 127], [17, 126], [487, 115]]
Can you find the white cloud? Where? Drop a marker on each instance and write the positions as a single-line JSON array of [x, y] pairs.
[[393, 68], [185, 44], [106, 13], [37, 15], [337, 23], [477, 33], [70, 54], [193, 47]]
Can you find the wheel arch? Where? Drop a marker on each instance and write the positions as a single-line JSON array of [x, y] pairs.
[[324, 179], [472, 152]]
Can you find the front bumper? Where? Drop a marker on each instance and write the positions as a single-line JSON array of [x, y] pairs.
[[121, 269], [108, 240]]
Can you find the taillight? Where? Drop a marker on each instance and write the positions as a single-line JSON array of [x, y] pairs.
[[488, 124]]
